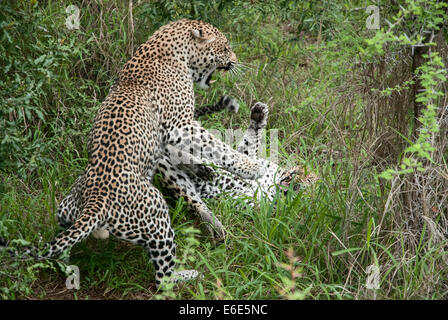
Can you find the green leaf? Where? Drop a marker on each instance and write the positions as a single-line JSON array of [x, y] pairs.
[[339, 252]]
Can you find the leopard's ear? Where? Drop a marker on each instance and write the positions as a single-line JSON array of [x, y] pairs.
[[197, 35]]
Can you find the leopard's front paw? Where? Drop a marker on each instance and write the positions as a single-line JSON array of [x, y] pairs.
[[259, 115], [230, 104]]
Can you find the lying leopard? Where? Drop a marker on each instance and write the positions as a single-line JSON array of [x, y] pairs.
[[195, 182], [150, 108]]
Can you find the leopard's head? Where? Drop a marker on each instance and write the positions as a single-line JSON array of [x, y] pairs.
[[191, 46], [213, 52], [297, 178], [208, 50]]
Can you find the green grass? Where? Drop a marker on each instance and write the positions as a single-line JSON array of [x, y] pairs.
[[304, 61]]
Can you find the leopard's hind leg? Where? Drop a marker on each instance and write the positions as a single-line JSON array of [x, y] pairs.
[[183, 185], [144, 219]]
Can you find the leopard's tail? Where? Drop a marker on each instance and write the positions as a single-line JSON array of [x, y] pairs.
[[87, 222]]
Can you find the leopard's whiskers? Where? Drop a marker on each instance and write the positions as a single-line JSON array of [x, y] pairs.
[[244, 66], [239, 70]]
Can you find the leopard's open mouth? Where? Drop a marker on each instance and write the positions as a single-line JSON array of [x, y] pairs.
[[227, 67], [208, 81]]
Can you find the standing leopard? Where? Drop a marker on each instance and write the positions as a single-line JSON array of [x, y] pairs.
[[149, 108], [196, 182]]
